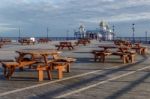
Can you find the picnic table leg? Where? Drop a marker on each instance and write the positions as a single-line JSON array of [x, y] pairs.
[[58, 48], [127, 59], [124, 59], [100, 58], [144, 50], [72, 47], [69, 48], [95, 57], [132, 58], [5, 71], [40, 75], [49, 74], [68, 67], [84, 44], [10, 72], [21, 68], [60, 71], [103, 58]]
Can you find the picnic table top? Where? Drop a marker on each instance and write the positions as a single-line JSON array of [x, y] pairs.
[[64, 42], [108, 46], [39, 51]]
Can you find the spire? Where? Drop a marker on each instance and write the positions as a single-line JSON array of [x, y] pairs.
[[104, 25], [81, 28]]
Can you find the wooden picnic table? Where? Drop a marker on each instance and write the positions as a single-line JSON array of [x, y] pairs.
[[1, 44], [82, 41], [54, 63], [64, 44], [106, 47], [5, 40], [26, 41], [43, 40], [140, 49], [37, 52], [9, 67], [60, 64], [137, 44], [123, 52]]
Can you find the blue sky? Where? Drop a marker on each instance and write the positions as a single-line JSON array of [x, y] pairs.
[[34, 16]]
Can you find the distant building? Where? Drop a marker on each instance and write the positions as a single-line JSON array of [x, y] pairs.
[[103, 32], [81, 33]]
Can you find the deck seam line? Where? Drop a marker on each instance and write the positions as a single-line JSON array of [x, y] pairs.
[[99, 83], [51, 82]]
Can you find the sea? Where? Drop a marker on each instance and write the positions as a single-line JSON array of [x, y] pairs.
[[15, 39], [135, 39]]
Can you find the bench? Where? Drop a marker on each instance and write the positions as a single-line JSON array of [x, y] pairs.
[[9, 67], [60, 67], [62, 64], [62, 45], [141, 50], [123, 56], [131, 54]]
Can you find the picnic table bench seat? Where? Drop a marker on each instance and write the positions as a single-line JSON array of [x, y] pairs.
[[131, 54], [9, 67], [60, 67], [62, 64], [141, 50], [123, 56], [68, 60]]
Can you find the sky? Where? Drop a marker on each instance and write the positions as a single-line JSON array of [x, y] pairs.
[[59, 16]]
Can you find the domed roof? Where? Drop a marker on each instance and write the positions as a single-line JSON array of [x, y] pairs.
[[81, 26], [104, 25]]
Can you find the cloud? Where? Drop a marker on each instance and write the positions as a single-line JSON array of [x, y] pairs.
[[7, 29], [61, 15], [120, 18]]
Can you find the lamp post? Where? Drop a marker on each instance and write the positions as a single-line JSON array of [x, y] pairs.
[[67, 34], [75, 34], [113, 32], [133, 30], [19, 34], [47, 30], [146, 36]]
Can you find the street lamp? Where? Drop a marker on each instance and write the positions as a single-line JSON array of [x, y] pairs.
[[47, 30], [19, 34], [67, 38], [113, 32], [146, 36], [133, 30]]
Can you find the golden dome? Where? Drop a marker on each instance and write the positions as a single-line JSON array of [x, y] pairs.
[[104, 25]]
